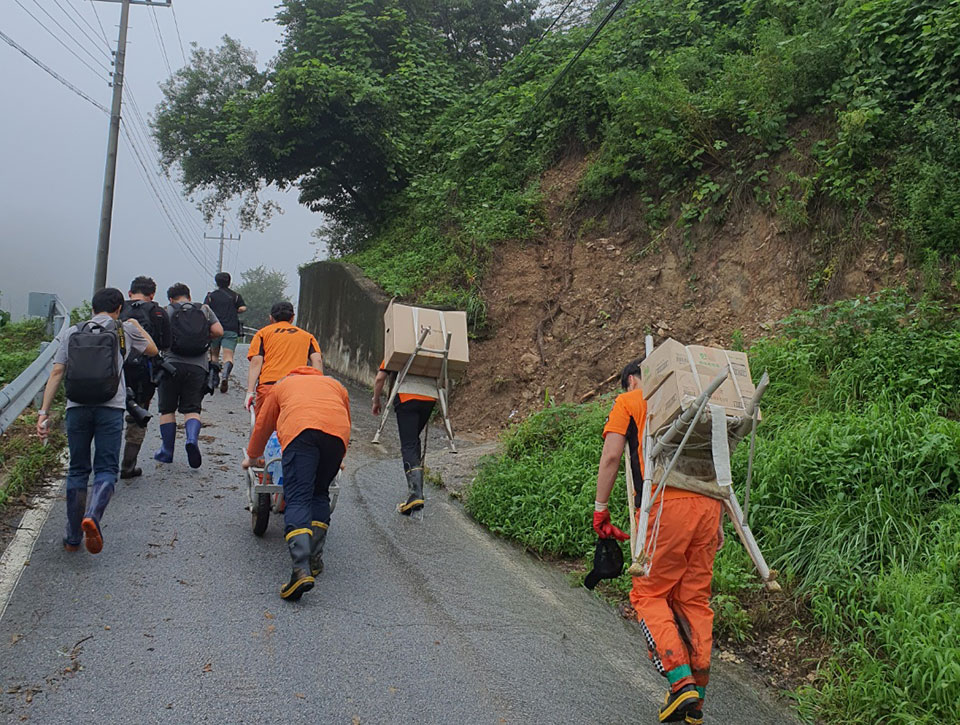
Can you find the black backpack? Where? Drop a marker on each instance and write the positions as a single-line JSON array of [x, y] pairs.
[[189, 330], [152, 318], [93, 369]]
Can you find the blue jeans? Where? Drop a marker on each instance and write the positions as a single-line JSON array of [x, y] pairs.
[[103, 427]]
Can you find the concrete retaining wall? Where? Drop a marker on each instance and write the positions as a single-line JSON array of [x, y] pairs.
[[344, 311]]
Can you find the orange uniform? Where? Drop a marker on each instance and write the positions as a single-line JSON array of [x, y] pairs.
[[283, 347], [305, 399], [673, 601], [404, 397]]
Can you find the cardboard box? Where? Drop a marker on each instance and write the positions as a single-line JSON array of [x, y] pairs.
[[403, 325], [672, 356], [680, 389]]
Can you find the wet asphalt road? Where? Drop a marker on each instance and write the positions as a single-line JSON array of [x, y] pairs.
[[178, 620]]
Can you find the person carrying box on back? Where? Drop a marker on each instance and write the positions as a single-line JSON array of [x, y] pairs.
[[311, 414], [413, 406], [277, 349], [673, 601]]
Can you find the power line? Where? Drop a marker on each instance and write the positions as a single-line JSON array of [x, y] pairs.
[[97, 16], [157, 199], [59, 40], [87, 35], [65, 31], [163, 48], [176, 24], [580, 52], [12, 43]]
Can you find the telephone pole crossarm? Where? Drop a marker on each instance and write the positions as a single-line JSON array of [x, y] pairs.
[[222, 238]]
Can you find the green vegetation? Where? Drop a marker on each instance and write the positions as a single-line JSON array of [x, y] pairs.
[[425, 151], [856, 499], [23, 460], [260, 289]]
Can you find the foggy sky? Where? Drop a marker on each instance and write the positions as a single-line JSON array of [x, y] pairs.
[[53, 144]]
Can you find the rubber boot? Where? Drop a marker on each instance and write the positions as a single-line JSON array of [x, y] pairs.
[[193, 442], [677, 704], [316, 546], [133, 439], [224, 380], [695, 717], [168, 436], [414, 500], [96, 505], [76, 505], [301, 580]]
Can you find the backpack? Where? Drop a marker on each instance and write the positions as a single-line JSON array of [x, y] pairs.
[[93, 370], [152, 318], [189, 330]]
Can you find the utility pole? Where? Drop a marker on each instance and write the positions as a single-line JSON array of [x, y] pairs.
[[113, 139], [222, 239]]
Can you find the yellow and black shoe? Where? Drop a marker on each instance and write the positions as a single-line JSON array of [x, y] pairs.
[[414, 500], [676, 705], [694, 717], [316, 546], [301, 581]]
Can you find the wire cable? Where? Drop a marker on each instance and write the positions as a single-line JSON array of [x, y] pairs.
[[580, 52], [163, 47], [95, 41], [97, 16], [60, 40], [65, 31], [14, 44], [142, 166], [176, 24]]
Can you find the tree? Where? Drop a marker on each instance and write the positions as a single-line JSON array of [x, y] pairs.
[[261, 288], [343, 110]]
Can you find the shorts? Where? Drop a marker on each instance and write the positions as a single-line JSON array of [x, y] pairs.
[[227, 342], [184, 391]]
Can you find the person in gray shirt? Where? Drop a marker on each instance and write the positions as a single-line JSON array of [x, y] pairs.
[[100, 424], [192, 326]]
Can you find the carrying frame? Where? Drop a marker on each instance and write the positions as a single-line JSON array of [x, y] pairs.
[[655, 443]]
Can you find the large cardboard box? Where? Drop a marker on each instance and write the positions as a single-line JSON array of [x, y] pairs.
[[672, 356], [403, 325], [673, 376]]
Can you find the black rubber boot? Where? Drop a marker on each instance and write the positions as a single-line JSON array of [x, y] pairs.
[[225, 378], [301, 580], [316, 546], [677, 704], [414, 500], [694, 717]]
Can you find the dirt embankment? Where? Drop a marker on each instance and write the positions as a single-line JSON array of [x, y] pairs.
[[569, 309]]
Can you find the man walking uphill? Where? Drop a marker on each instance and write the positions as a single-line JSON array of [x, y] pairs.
[[673, 601], [138, 370], [277, 349], [311, 414], [192, 326], [91, 357], [226, 305]]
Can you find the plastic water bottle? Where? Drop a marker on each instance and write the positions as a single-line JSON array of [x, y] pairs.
[[274, 470]]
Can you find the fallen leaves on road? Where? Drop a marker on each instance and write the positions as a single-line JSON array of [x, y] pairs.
[[208, 667]]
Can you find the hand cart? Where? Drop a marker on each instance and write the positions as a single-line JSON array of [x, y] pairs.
[[264, 498]]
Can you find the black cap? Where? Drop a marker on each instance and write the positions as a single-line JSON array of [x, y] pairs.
[[607, 562]]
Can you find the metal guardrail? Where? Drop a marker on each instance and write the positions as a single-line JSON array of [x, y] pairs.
[[247, 332], [20, 392]]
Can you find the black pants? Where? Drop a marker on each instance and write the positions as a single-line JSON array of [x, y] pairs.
[[412, 418], [184, 391], [310, 463]]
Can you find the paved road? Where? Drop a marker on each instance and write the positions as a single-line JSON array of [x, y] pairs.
[[179, 620]]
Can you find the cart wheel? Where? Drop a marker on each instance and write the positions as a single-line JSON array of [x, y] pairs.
[[261, 514]]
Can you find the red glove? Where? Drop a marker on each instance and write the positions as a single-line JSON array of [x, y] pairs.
[[606, 530]]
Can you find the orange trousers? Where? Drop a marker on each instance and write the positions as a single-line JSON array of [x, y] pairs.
[[673, 601]]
